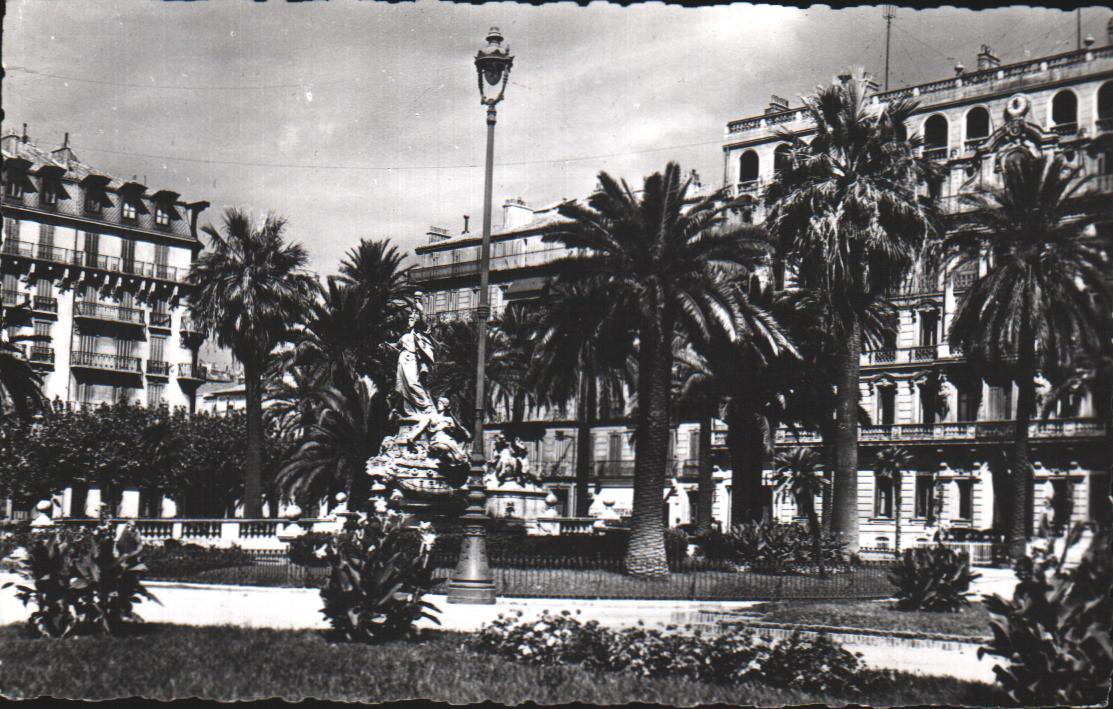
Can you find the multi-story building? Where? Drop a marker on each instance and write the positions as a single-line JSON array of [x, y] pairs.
[[103, 262], [448, 273], [916, 388]]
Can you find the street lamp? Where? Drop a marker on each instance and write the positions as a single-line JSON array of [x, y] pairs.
[[472, 582]]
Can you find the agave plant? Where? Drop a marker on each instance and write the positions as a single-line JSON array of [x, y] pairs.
[[932, 579]]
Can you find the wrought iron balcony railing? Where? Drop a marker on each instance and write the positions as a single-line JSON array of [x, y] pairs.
[[158, 368], [908, 355], [115, 264], [614, 468], [42, 355], [12, 298], [1065, 128], [187, 370], [108, 362], [44, 304], [160, 320], [962, 431], [189, 325], [111, 313]]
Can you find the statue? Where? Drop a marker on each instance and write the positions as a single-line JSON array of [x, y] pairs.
[[510, 463], [423, 466], [415, 358]]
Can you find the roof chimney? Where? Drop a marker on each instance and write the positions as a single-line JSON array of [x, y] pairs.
[[64, 154], [437, 233], [465, 231], [987, 59], [23, 138], [515, 214], [777, 104]]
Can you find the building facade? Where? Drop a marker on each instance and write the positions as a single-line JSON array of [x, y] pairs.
[[102, 262], [916, 389]]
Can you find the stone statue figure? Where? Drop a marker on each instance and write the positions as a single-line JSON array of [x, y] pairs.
[[415, 358], [446, 435]]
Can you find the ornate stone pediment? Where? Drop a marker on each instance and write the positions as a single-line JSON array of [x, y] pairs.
[[1015, 133]]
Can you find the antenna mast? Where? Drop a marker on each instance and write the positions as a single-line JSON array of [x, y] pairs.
[[890, 11], [1078, 28]]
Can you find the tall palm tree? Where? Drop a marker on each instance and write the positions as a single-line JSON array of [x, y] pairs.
[[668, 258], [752, 371], [849, 223], [891, 463], [20, 384], [584, 354], [512, 338], [1041, 299], [797, 474], [250, 289]]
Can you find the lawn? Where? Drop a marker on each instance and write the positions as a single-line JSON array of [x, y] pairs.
[[225, 663], [864, 582], [972, 621]]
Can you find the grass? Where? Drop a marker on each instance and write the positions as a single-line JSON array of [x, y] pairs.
[[867, 582], [163, 662], [972, 621]]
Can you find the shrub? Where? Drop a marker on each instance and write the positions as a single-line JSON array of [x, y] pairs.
[[932, 579], [819, 664], [305, 550], [85, 581], [1054, 634], [771, 544], [177, 561], [378, 573], [13, 536], [507, 542]]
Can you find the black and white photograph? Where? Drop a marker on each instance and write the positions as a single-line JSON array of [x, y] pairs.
[[743, 354]]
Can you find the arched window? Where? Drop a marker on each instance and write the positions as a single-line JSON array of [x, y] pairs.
[[748, 167], [977, 127], [1064, 113], [935, 137], [1105, 106], [781, 158]]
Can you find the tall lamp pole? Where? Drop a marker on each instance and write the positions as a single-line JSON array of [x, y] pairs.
[[472, 582]]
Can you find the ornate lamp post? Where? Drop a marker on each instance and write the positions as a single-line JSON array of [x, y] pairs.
[[472, 582]]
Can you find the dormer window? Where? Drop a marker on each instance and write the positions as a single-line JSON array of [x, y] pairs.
[[13, 189], [164, 208], [16, 180], [162, 217], [48, 196], [52, 190], [96, 193], [128, 211], [93, 205]]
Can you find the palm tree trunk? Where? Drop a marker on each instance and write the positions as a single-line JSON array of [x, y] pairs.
[[746, 442], [645, 554], [585, 416], [896, 511], [253, 464], [827, 434], [706, 483], [844, 505], [1021, 518]]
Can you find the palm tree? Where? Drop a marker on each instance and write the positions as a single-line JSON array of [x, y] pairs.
[[1041, 300], [891, 463], [797, 474], [849, 223], [753, 374], [667, 258], [584, 354], [250, 289], [511, 341], [20, 384], [335, 448]]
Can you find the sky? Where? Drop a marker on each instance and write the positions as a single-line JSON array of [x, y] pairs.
[[362, 119]]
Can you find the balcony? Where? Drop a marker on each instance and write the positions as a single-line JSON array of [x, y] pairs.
[[42, 355], [41, 252], [967, 431], [1065, 129], [156, 368], [108, 313], [908, 355], [12, 298], [113, 264], [160, 321], [962, 280], [973, 144], [916, 285], [106, 362], [191, 372], [189, 326], [614, 468], [935, 153], [44, 304], [1104, 125], [459, 269]]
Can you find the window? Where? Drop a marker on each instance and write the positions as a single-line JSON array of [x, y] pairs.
[[1064, 111], [977, 126], [781, 159], [969, 400], [693, 444], [158, 349], [44, 288], [49, 195], [1000, 403], [929, 402], [162, 216], [883, 496], [1105, 107], [929, 328], [11, 229], [886, 404], [965, 499], [93, 203], [128, 211], [13, 188], [156, 394], [936, 137], [1062, 503], [925, 497], [614, 447], [748, 167]]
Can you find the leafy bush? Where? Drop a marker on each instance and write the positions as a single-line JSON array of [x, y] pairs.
[[932, 579], [84, 581], [305, 550], [770, 544], [13, 536], [177, 561], [378, 573], [509, 541], [1054, 634], [820, 664]]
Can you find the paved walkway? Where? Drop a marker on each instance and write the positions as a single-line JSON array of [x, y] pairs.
[[297, 609]]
